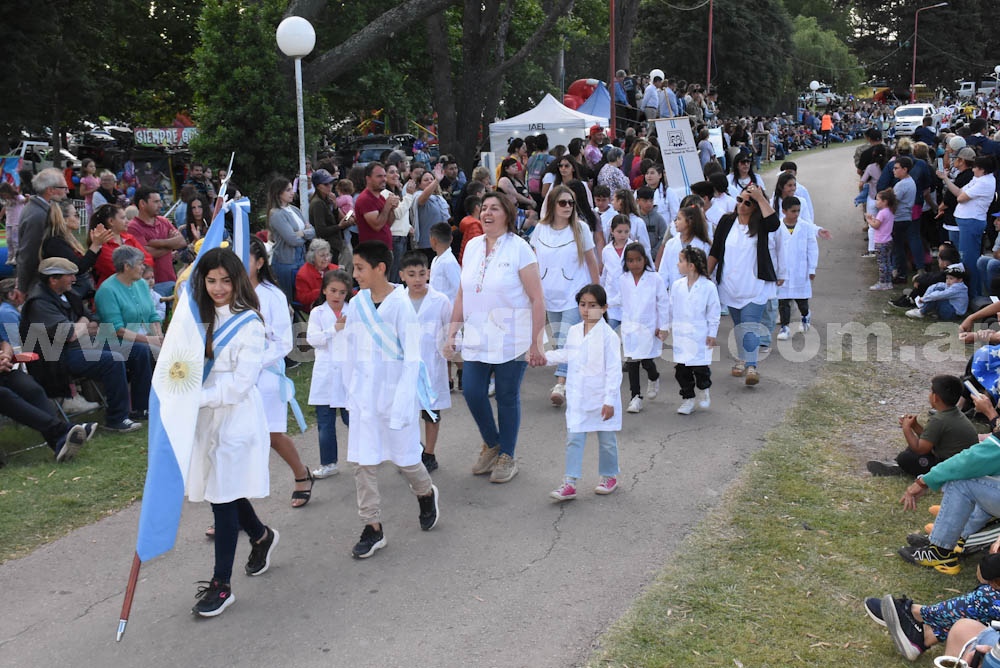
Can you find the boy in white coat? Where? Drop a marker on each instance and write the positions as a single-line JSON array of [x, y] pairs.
[[386, 391], [445, 272], [593, 392], [434, 313], [797, 255]]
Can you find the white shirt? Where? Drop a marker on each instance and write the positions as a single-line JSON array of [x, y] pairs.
[[446, 275], [740, 285], [981, 190], [671, 252], [327, 385], [593, 377], [495, 306], [562, 269], [645, 309], [694, 316], [610, 272], [434, 316]]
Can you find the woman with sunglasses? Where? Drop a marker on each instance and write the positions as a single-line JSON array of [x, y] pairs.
[[745, 272], [564, 246], [566, 169], [743, 174]]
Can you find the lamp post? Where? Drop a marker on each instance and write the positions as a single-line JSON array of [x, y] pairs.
[[814, 86], [296, 39], [913, 71]]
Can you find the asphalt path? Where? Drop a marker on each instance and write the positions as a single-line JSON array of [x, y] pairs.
[[508, 577]]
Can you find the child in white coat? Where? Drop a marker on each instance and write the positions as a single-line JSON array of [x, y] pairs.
[[593, 392], [326, 391], [612, 261], [694, 324], [645, 320], [798, 254], [434, 313], [692, 230]]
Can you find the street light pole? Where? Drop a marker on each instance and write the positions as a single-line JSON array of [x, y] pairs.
[[708, 66], [913, 71], [611, 78], [296, 39]]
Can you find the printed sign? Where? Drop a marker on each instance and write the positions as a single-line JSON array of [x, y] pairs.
[[679, 152], [165, 137]]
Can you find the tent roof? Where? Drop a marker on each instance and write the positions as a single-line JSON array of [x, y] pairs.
[[548, 111], [599, 102]]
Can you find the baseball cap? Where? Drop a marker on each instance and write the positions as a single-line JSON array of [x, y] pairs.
[[968, 154], [321, 177], [57, 266], [989, 567], [594, 129], [957, 269]]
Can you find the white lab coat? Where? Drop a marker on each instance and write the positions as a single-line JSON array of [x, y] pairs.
[[612, 269], [446, 275], [434, 317], [797, 256], [694, 316], [638, 232], [645, 309], [671, 252], [229, 460], [278, 336], [593, 377], [382, 391], [327, 385], [806, 210]]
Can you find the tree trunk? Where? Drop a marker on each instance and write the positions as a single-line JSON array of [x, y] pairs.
[[442, 91], [626, 21]]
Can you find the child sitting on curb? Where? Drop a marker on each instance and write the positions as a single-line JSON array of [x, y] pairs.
[[948, 300]]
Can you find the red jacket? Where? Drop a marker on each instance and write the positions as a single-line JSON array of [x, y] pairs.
[[104, 267], [308, 284]]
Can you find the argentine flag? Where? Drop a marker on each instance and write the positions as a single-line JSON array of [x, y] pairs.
[[175, 397]]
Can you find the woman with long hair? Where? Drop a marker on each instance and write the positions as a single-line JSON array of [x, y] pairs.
[[743, 174], [289, 232], [60, 240], [566, 169], [195, 220], [229, 462], [588, 216]]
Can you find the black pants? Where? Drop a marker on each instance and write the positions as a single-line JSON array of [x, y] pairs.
[[23, 400], [689, 377], [632, 366], [785, 309], [229, 519], [915, 464]]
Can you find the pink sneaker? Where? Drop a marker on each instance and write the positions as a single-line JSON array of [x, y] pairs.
[[565, 492], [608, 485]]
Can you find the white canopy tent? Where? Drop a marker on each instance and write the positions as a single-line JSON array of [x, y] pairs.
[[557, 121]]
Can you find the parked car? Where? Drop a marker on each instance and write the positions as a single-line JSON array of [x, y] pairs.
[[41, 156], [909, 117]]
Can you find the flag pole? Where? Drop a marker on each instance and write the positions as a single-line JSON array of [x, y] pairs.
[[133, 579]]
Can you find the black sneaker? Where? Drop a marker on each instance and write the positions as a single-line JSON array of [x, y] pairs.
[[90, 428], [903, 302], [371, 540], [932, 556], [882, 469], [124, 426], [430, 462], [69, 445], [907, 633], [214, 597], [873, 606], [260, 553], [429, 509]]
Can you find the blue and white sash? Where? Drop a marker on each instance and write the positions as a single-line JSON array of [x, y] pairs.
[[388, 341], [287, 388], [223, 335]]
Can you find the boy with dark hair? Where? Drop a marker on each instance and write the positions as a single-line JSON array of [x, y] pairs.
[[433, 309], [445, 272], [602, 207], [386, 390], [946, 433], [655, 225]]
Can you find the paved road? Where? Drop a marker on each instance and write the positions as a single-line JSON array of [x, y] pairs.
[[508, 578]]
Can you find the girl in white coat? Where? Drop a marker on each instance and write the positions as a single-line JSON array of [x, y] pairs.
[[326, 390], [645, 320], [694, 324], [229, 460], [692, 230], [593, 392], [798, 254], [624, 203], [611, 258]]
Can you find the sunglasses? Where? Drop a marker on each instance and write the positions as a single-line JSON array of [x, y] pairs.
[[565, 202], [744, 200], [743, 162]]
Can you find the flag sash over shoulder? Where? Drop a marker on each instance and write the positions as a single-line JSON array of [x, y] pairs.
[[173, 407], [388, 341]]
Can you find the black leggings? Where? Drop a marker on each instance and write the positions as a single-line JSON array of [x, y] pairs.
[[632, 366], [229, 519], [785, 309]]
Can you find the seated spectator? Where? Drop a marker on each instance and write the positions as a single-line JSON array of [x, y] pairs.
[[914, 628], [23, 400], [113, 218], [989, 264], [309, 277], [60, 240], [123, 302], [947, 300], [53, 321], [10, 317], [158, 299], [107, 193], [947, 256], [946, 433]]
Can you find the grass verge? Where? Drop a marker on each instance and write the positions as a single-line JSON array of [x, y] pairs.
[[41, 501], [776, 574]]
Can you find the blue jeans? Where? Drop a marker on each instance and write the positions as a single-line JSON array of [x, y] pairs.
[[109, 368], [475, 386], [326, 425], [164, 289], [139, 371], [906, 234], [965, 507], [748, 329], [988, 268], [943, 308], [970, 245], [285, 273], [399, 246], [768, 319], [607, 458], [560, 322]]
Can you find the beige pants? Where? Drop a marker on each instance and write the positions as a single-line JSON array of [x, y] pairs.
[[369, 501]]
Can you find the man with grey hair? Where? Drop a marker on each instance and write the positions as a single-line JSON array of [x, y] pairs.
[[49, 186]]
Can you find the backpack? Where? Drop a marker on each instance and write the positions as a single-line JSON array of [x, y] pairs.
[[536, 170]]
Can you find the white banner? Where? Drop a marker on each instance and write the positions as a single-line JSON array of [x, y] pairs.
[[679, 152]]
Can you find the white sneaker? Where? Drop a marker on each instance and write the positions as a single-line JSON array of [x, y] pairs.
[[652, 389], [493, 388], [914, 313], [706, 399], [325, 471], [558, 394], [686, 407], [783, 334], [635, 405], [78, 404]]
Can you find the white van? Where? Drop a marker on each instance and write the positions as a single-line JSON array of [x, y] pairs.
[[989, 85]]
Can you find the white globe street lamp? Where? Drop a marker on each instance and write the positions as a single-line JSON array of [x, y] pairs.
[[296, 39], [814, 86]]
